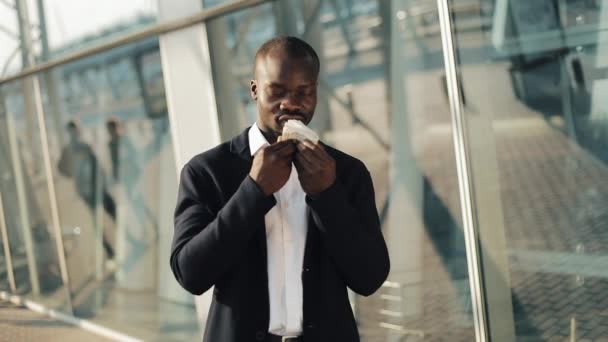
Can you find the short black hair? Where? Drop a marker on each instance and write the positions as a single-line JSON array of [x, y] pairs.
[[73, 124], [113, 122], [293, 46]]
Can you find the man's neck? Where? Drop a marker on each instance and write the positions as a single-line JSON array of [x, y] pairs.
[[270, 136]]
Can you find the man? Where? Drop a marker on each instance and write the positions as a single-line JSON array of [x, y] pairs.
[[78, 161], [281, 228], [127, 171], [123, 154]]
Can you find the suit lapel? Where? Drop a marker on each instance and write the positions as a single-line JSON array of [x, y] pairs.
[[239, 145]]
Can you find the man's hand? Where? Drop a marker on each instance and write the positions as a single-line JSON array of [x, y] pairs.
[[316, 168], [272, 166]]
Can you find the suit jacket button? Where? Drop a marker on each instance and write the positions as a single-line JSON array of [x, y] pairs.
[[260, 335]]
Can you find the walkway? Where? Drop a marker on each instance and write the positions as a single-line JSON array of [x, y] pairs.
[[19, 324]]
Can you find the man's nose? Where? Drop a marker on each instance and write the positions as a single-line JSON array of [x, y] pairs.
[[289, 103]]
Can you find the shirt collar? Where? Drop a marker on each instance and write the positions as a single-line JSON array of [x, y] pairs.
[[256, 139]]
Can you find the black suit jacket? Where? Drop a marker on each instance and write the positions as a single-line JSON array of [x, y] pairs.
[[220, 239]]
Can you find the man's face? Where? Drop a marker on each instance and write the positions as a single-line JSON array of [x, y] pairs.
[[284, 89], [74, 134], [113, 131]]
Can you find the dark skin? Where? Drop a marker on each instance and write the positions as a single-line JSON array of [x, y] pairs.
[[284, 89]]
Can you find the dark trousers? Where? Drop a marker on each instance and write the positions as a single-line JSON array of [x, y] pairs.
[[109, 207]]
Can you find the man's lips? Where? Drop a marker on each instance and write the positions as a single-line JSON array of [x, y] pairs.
[[282, 118]]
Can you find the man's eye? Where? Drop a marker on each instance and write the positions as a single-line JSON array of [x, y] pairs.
[[276, 92], [305, 92]]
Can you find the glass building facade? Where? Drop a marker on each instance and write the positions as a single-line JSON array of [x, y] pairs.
[[482, 122]]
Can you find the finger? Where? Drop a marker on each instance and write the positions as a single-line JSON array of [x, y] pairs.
[[306, 144], [309, 144], [314, 145], [314, 156], [316, 148], [320, 151], [300, 146], [306, 165], [307, 154], [279, 145], [287, 150], [298, 164]]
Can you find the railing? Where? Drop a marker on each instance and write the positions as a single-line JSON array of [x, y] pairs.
[[158, 29]]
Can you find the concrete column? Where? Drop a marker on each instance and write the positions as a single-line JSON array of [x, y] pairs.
[[193, 115]]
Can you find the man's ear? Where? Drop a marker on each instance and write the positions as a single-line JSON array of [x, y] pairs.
[[253, 90]]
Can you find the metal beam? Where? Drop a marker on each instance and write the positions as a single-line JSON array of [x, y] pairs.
[[464, 174], [343, 22], [50, 181], [7, 249], [24, 212], [25, 33]]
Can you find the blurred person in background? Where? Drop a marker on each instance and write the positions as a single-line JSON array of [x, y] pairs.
[[78, 161]]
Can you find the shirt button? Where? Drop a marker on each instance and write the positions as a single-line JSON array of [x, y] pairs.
[[260, 335], [307, 269], [310, 326]]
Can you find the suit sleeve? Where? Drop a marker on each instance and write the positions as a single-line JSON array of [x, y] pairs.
[[350, 228], [206, 244]]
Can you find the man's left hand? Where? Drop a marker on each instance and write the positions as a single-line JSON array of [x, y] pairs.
[[316, 168]]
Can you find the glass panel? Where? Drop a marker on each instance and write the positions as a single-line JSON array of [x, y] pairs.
[[4, 282], [11, 57], [534, 80], [381, 99], [50, 29], [4, 286], [114, 172], [5, 176], [8, 188], [25, 193]]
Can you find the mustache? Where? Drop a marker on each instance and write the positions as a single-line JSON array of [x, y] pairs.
[[291, 112]]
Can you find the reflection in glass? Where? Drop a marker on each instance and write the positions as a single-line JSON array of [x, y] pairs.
[[533, 74], [15, 217], [3, 271], [380, 99], [113, 163], [35, 31], [4, 263], [25, 193]]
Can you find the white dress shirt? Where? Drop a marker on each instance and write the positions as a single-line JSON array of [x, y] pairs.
[[286, 226]]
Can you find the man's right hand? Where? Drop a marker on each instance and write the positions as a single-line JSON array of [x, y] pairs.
[[272, 166]]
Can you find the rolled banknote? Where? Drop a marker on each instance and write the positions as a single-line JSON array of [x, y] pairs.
[[295, 129]]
